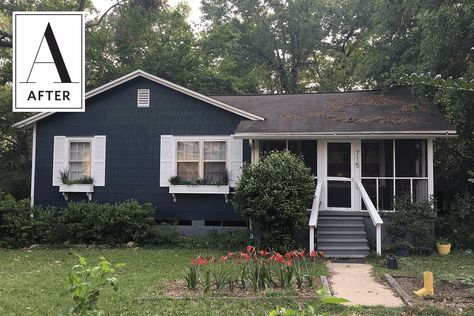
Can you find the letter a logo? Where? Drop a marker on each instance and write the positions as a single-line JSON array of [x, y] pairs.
[[55, 53]]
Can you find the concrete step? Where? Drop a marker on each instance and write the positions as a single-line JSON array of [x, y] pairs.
[[340, 227], [340, 220], [347, 243], [344, 251], [357, 234]]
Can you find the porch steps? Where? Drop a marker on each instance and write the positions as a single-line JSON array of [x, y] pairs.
[[342, 236]]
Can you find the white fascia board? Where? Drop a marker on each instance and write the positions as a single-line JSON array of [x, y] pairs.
[[166, 83], [363, 134]]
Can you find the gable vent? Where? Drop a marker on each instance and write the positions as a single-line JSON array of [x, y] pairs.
[[143, 98]]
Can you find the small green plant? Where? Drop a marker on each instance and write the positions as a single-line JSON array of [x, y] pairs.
[[64, 175], [177, 180], [443, 241], [192, 277], [86, 283]]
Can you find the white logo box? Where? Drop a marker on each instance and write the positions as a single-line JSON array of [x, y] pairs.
[[48, 62]]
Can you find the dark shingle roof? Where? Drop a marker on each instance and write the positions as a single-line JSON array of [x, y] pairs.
[[363, 111]]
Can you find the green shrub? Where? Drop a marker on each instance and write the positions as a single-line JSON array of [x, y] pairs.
[[15, 222], [108, 223], [412, 220], [275, 193], [458, 224]]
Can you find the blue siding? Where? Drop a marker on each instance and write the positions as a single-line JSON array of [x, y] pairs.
[[133, 147]]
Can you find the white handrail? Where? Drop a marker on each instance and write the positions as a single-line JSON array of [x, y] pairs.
[[374, 215], [313, 219]]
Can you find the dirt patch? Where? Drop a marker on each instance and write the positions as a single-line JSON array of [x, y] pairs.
[[176, 290], [447, 294]]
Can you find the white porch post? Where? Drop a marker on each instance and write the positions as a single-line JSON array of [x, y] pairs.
[[378, 237], [311, 238], [430, 166]]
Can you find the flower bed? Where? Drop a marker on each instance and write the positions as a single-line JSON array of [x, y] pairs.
[[255, 270]]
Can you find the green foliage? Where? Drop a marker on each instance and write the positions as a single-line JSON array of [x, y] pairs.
[[275, 193], [116, 223], [412, 220], [65, 179], [78, 222], [15, 222], [86, 284], [458, 223], [177, 180]]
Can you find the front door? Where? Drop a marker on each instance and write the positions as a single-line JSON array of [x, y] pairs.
[[339, 175]]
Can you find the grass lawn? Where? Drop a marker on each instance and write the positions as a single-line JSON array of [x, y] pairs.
[[31, 283], [458, 264]]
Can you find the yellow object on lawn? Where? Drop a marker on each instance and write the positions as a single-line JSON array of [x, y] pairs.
[[443, 249], [427, 289]]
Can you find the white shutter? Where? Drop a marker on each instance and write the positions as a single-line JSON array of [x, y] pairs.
[[236, 159], [98, 160], [167, 159], [59, 158], [143, 98]]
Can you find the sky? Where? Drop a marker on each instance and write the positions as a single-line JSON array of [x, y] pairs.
[[194, 18]]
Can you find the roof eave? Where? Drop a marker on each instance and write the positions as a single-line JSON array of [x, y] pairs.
[[370, 134], [140, 73]]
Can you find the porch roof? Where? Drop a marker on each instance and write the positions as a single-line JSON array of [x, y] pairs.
[[346, 113]]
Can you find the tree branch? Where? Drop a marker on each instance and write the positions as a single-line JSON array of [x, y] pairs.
[[99, 20]]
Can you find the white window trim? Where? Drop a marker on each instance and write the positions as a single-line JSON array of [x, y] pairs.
[[202, 140]]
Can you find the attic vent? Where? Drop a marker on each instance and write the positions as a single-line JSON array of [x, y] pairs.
[[143, 98]]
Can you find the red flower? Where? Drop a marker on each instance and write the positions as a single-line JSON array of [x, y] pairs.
[[201, 261], [278, 257], [244, 256], [289, 262], [264, 253], [301, 254], [193, 261], [313, 254], [321, 254], [230, 254], [223, 259], [250, 249]]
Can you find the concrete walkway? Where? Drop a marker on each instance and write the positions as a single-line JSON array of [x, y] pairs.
[[355, 282]]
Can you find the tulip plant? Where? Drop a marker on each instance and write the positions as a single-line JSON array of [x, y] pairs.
[[260, 269]]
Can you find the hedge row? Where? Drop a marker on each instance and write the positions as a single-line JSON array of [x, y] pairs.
[[77, 223]]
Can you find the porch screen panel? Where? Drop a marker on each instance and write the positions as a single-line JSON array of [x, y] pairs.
[[411, 158], [370, 186], [339, 160], [420, 190], [339, 194], [377, 158], [268, 146], [385, 188]]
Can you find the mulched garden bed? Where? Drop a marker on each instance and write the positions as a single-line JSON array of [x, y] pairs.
[[177, 290], [449, 294]]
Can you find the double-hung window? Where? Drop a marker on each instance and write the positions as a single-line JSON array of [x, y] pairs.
[[188, 158], [202, 159], [79, 159]]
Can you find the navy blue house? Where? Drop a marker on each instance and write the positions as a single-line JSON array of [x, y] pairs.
[[140, 131]]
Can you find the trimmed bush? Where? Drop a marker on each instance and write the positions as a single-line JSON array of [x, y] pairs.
[[78, 222], [108, 223], [458, 224], [412, 220], [15, 222], [275, 193]]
